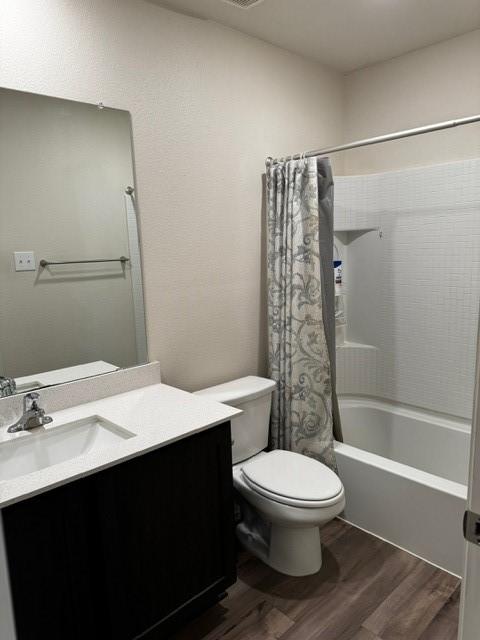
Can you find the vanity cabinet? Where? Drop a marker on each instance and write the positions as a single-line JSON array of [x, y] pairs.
[[128, 552]]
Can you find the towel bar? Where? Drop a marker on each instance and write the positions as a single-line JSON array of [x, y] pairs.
[[46, 263]]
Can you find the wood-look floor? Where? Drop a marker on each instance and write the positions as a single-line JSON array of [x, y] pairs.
[[366, 590]]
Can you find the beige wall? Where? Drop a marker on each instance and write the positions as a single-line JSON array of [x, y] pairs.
[[208, 104], [64, 167], [437, 83]]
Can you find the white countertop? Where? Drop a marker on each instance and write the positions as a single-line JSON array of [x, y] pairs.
[[158, 415]]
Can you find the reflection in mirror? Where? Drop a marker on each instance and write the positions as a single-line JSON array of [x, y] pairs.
[[71, 300]]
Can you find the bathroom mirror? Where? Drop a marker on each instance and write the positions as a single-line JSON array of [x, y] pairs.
[[71, 299]]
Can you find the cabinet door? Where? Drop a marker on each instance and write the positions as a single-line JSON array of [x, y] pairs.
[[167, 533], [127, 551], [53, 565]]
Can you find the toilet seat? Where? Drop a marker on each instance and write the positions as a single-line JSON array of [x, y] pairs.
[[293, 479]]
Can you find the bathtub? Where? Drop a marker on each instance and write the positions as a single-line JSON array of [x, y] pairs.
[[405, 475]]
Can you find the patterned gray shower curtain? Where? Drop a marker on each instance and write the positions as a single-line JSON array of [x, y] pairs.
[[301, 308]]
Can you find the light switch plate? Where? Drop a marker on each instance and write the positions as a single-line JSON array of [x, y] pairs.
[[24, 261]]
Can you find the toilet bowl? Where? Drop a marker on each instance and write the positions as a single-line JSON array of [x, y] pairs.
[[285, 497], [293, 546]]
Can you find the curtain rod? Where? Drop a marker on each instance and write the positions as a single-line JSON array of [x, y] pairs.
[[448, 124]]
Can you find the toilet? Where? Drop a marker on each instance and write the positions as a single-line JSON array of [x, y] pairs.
[[285, 497]]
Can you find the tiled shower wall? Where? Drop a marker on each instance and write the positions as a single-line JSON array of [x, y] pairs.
[[413, 290]]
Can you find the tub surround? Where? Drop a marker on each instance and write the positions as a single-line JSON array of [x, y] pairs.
[[413, 293], [157, 415]]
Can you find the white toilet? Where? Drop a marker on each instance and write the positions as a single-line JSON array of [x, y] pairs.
[[287, 496]]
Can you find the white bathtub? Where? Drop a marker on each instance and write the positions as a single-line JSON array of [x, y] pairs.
[[405, 475]]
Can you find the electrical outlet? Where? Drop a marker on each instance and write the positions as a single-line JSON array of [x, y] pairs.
[[24, 261]]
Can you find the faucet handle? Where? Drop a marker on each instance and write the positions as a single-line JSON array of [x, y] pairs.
[[8, 386], [30, 401]]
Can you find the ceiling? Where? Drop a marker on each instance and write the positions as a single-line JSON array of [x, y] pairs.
[[342, 34]]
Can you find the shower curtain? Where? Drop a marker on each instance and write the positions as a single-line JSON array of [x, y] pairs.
[[301, 308]]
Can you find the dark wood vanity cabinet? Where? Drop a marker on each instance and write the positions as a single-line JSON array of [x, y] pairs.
[[128, 552]]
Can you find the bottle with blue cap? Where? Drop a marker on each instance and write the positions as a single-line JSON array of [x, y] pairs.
[[337, 267]]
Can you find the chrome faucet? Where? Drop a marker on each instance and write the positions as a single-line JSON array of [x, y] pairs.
[[33, 415], [8, 386]]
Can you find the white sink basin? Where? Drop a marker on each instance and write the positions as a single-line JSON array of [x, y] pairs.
[[40, 448]]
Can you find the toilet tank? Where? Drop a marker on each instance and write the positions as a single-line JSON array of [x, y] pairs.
[[253, 395]]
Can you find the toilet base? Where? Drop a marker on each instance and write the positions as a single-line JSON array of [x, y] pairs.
[[291, 551], [296, 552]]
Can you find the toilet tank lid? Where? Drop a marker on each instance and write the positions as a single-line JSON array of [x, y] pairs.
[[240, 390]]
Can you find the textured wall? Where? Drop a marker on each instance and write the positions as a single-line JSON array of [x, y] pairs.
[[208, 104], [413, 293], [437, 83]]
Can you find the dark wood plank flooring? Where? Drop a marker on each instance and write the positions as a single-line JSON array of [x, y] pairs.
[[366, 590]]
